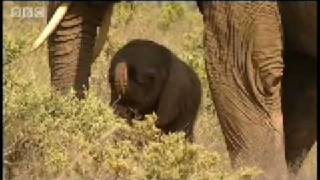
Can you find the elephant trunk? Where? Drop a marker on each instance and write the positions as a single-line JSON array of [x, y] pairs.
[[71, 46], [121, 78]]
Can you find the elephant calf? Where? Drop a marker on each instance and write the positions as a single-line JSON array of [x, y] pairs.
[[145, 76]]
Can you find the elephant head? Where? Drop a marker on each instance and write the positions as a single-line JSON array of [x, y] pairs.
[[244, 63]]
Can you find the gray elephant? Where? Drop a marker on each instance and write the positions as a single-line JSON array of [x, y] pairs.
[[244, 45]]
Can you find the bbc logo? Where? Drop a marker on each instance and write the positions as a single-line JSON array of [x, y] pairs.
[[28, 12]]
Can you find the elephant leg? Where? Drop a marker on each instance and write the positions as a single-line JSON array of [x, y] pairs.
[[299, 106], [299, 83], [244, 64], [71, 46]]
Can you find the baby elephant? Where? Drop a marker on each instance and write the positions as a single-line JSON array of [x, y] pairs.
[[147, 77]]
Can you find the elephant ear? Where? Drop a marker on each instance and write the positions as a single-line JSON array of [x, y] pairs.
[[121, 77]]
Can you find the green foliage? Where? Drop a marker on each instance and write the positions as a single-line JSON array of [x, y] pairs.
[[50, 135], [13, 48], [123, 13], [170, 13], [54, 135], [193, 52]]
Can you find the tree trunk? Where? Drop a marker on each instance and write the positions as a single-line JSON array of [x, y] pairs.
[[244, 65]]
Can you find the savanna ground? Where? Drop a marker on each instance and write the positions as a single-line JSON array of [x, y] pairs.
[[52, 137]]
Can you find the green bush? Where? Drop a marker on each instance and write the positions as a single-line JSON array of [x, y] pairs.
[[13, 48], [170, 13], [122, 14], [47, 135]]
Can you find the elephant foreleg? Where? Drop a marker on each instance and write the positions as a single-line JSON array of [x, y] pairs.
[[299, 83], [71, 46], [244, 65], [299, 106]]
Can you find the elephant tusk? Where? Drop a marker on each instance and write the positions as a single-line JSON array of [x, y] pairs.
[[51, 26], [103, 33]]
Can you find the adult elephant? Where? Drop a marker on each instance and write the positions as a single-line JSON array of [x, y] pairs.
[[244, 45]]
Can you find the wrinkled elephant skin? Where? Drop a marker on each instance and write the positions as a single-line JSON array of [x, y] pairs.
[[71, 45], [244, 67]]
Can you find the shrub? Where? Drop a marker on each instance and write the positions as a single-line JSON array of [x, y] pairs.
[[171, 12], [13, 49], [48, 136], [122, 14]]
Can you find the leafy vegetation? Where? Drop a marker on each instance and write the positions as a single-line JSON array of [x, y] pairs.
[[171, 12], [47, 135]]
